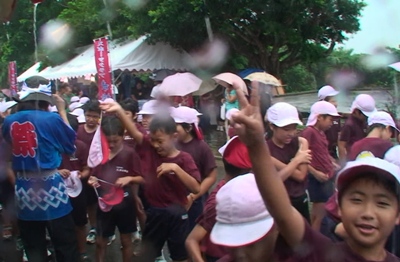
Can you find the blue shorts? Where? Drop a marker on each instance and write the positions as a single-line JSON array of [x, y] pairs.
[[319, 192]]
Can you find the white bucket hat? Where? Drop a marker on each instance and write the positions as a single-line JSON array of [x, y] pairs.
[[283, 114], [321, 108]]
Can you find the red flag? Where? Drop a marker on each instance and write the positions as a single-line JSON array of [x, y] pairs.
[[12, 77], [103, 68], [99, 151]]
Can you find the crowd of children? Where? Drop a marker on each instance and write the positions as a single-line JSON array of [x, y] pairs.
[[156, 180]]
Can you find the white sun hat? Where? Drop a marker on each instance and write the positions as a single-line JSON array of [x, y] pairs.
[[283, 114]]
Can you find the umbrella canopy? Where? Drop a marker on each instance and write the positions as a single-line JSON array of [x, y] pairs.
[[229, 78], [180, 84], [264, 78], [395, 66], [206, 87], [249, 71]]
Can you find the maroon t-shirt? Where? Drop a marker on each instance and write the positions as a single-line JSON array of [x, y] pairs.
[[316, 247], [352, 131], [201, 154], [130, 141], [78, 160], [332, 135], [377, 146], [84, 136], [318, 144], [285, 155], [207, 220], [125, 163], [167, 189]]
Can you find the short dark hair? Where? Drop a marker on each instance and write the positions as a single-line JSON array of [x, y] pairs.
[[131, 106], [164, 123], [189, 128], [373, 126], [112, 126], [234, 171], [33, 105], [92, 106], [63, 86], [378, 179]]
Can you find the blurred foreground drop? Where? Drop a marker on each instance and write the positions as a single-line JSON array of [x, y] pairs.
[[210, 56], [380, 58], [135, 4], [55, 34]]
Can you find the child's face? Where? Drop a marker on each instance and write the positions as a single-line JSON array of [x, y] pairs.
[[162, 142], [129, 114], [332, 100], [114, 143], [369, 213], [284, 134], [92, 119], [146, 121], [325, 122]]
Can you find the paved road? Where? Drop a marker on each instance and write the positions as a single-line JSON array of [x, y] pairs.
[[9, 253]]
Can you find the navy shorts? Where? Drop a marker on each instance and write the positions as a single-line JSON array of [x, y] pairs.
[[171, 225], [122, 216], [319, 192], [79, 209]]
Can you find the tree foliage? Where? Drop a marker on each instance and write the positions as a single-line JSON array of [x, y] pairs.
[[273, 35]]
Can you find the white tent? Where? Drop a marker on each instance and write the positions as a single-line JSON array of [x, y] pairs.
[[135, 55], [33, 70]]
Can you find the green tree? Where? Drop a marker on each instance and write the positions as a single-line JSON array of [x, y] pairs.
[[273, 35]]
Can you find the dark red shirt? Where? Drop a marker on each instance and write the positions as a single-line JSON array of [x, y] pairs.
[[130, 141], [207, 220], [285, 155], [125, 163], [78, 160], [315, 247], [84, 136], [201, 154], [318, 144], [167, 189], [377, 146], [352, 131], [332, 135]]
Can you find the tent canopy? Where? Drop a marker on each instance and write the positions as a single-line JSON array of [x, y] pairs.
[[33, 70], [135, 55]]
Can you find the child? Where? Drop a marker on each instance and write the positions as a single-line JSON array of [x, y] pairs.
[[172, 175], [37, 139], [248, 230], [236, 162], [149, 109], [321, 168], [78, 162], [131, 109], [228, 116], [85, 134], [290, 153], [354, 128], [190, 140], [328, 94], [368, 200], [381, 129], [123, 170]]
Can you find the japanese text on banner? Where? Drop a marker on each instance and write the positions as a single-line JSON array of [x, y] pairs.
[[12, 77], [103, 68]]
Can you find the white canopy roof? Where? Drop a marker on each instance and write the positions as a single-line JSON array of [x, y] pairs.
[[33, 70], [135, 55]]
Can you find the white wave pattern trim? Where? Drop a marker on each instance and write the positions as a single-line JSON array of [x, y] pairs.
[[42, 199]]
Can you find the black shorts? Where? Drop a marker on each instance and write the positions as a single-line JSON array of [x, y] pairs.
[[169, 225], [79, 209], [320, 192], [122, 216], [91, 197], [301, 205]]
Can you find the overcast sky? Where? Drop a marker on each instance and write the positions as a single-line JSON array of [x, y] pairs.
[[380, 26]]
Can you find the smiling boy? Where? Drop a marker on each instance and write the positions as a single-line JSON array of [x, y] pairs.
[[368, 199]]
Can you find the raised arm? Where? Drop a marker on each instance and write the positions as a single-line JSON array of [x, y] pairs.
[[114, 107], [250, 128]]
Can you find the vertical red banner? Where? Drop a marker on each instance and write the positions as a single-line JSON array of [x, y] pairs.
[[103, 68], [12, 77]]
